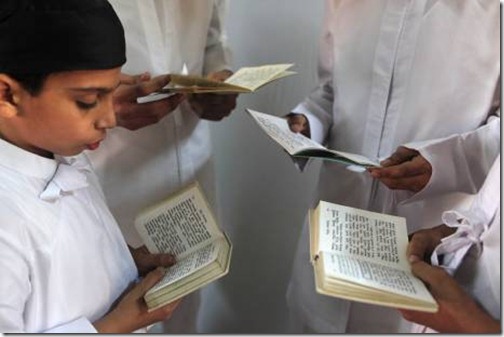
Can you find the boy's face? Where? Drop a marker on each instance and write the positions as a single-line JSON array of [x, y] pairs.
[[70, 114]]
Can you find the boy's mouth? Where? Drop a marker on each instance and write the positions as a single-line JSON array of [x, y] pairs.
[[93, 146]]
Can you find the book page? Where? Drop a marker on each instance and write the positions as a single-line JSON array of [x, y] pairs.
[[356, 158], [254, 77], [375, 275], [188, 265], [359, 233], [296, 144], [197, 84], [278, 129], [178, 226]]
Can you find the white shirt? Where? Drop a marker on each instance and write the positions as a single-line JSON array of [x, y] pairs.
[[139, 168], [392, 73], [63, 259]]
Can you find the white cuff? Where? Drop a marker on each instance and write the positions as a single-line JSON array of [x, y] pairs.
[[80, 325]]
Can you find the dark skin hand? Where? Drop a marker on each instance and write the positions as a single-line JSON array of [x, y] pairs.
[[132, 115], [458, 312], [214, 107], [405, 169], [298, 123]]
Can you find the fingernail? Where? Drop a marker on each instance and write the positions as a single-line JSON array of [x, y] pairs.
[[413, 259], [168, 260]]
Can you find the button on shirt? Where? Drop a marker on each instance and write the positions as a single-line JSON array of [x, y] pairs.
[[62, 256]]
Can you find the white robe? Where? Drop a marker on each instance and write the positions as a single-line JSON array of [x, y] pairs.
[[392, 73], [139, 168], [63, 259]]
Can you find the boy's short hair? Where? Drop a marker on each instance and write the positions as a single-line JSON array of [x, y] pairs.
[[40, 37], [32, 83]]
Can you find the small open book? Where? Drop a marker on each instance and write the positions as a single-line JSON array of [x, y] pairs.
[[184, 226], [247, 79], [297, 145], [361, 256]]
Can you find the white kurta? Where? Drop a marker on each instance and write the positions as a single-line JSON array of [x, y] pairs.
[[396, 72], [63, 259], [139, 168]]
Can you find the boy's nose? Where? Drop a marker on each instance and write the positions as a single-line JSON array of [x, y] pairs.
[[107, 119]]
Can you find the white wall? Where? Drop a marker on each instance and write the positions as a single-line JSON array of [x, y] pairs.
[[263, 197]]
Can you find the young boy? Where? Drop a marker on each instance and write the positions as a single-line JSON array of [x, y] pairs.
[[63, 261]]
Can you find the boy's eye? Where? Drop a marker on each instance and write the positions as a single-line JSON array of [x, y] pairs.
[[85, 105]]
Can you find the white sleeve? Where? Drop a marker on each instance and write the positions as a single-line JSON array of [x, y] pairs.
[[318, 106], [217, 54], [15, 286], [80, 325], [460, 163]]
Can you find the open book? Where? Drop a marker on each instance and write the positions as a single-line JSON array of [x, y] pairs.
[[297, 145], [247, 79], [361, 256], [184, 226]]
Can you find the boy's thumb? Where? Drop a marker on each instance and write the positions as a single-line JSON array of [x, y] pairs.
[[151, 279]]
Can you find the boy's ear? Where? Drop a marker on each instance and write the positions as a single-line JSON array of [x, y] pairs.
[[9, 96]]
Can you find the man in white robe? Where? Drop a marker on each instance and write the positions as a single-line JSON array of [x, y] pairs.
[[140, 168], [415, 72]]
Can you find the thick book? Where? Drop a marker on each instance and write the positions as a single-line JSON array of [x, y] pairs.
[[184, 226], [361, 256], [298, 145], [245, 80]]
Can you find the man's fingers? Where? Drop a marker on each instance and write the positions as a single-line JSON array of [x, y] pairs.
[[418, 247], [135, 116], [297, 123], [162, 107], [221, 75], [413, 184], [415, 316], [401, 155], [431, 275], [148, 87], [134, 79], [412, 168]]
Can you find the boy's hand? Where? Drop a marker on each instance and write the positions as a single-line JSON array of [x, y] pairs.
[[214, 107], [405, 169], [458, 312], [131, 313], [132, 115], [146, 262], [298, 123]]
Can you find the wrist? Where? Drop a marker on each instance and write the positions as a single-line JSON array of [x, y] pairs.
[[108, 324]]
